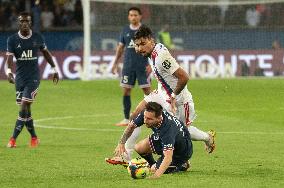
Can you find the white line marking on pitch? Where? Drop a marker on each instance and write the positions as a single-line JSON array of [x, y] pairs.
[[77, 129], [116, 130], [73, 117]]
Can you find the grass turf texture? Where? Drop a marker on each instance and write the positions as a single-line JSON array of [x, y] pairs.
[[246, 113]]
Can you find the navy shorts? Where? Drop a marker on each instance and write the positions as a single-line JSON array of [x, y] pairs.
[[180, 155], [26, 91], [128, 78]]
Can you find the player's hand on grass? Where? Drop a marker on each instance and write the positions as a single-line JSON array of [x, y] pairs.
[[120, 150], [55, 78], [11, 78]]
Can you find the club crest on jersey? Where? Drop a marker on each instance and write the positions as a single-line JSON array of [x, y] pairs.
[[166, 64]]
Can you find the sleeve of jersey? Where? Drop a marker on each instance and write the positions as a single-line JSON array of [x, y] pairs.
[[153, 97], [139, 120], [121, 38], [168, 63], [42, 44], [10, 48]]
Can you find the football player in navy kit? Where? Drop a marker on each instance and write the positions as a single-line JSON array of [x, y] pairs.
[[24, 46], [135, 66], [170, 139]]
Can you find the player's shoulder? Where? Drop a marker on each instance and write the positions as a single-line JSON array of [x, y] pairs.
[[126, 28], [161, 53], [13, 36], [37, 35]]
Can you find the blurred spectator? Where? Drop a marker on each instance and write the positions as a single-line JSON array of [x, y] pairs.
[[47, 17], [36, 16], [13, 18], [276, 45], [78, 13], [69, 13], [164, 37], [252, 17]]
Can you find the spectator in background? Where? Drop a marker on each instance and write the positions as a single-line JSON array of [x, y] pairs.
[[78, 13], [47, 17], [13, 19], [36, 16], [276, 45], [252, 17], [165, 37], [3, 21]]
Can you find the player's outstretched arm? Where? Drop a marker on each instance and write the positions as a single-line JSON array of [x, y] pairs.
[[120, 149], [141, 106], [118, 54], [183, 78], [9, 62], [182, 81], [48, 58], [164, 165]]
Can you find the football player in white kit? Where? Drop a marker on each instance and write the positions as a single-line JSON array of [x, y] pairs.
[[172, 91]]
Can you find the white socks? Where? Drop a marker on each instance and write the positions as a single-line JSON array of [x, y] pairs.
[[198, 135], [130, 143]]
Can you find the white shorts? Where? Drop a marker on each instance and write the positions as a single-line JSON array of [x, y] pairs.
[[185, 106]]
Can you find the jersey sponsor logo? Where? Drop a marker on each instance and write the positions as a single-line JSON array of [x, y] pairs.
[[166, 64], [27, 55]]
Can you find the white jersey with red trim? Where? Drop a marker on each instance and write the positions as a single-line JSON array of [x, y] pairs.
[[164, 65], [160, 98]]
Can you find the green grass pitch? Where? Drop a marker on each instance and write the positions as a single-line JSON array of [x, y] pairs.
[[75, 124]]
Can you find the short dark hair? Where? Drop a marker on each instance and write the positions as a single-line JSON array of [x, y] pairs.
[[136, 9], [143, 32], [25, 14], [154, 107]]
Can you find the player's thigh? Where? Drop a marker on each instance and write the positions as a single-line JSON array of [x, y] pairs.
[[186, 112], [30, 91], [128, 78], [143, 146], [144, 80]]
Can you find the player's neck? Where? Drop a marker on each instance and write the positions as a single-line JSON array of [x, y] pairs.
[[160, 123], [153, 47], [135, 26], [25, 33]]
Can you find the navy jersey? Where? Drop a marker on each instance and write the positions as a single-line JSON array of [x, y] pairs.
[[172, 132], [132, 60], [25, 50]]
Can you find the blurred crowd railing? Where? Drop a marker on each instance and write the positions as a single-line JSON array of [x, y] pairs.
[[68, 14]]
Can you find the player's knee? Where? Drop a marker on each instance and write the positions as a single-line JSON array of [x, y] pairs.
[[142, 147], [126, 91], [26, 105], [147, 90]]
